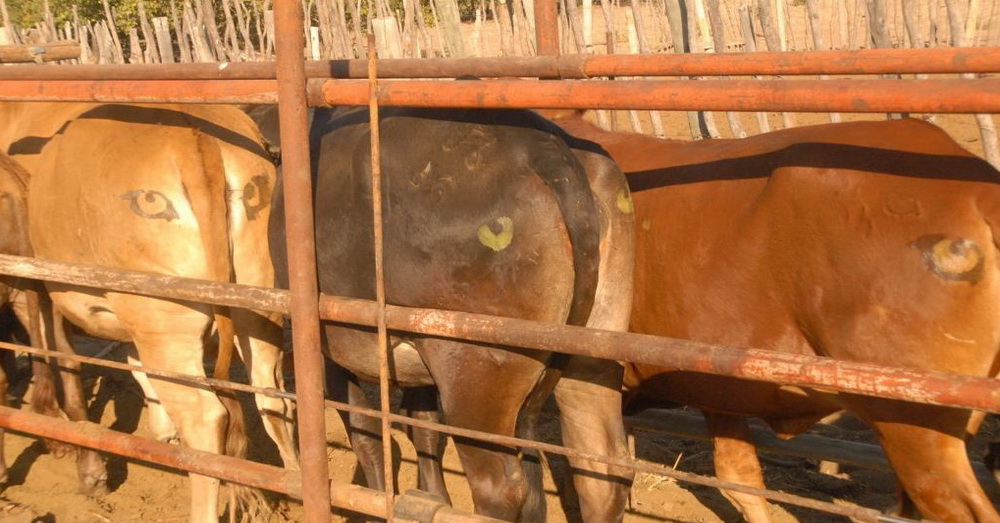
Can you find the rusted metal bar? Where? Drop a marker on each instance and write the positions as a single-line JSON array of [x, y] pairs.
[[48, 52], [94, 436], [547, 27], [258, 475], [144, 91], [864, 96], [939, 388], [858, 96], [808, 446], [147, 283], [864, 61], [921, 386], [860, 513], [939, 60], [383, 334], [165, 375], [301, 242]]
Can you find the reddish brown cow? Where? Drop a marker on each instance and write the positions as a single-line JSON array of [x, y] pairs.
[[864, 241]]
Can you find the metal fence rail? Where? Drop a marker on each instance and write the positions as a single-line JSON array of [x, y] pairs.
[[942, 60]]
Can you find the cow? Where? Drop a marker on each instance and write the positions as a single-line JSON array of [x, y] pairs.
[[177, 190], [488, 212], [869, 241]]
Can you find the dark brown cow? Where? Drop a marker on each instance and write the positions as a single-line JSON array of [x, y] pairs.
[[866, 241], [180, 190], [488, 212]]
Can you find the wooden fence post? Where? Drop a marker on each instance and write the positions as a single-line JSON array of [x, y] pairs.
[[987, 128]]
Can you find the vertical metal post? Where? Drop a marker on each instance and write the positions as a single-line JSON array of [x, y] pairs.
[[383, 333], [547, 27], [304, 308]]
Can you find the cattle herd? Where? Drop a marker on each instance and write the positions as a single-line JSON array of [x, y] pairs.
[[870, 242]]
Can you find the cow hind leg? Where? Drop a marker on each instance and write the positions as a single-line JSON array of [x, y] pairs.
[[160, 424], [91, 468], [590, 413], [736, 461], [422, 403], [926, 446], [177, 346], [363, 432], [484, 389], [260, 338]]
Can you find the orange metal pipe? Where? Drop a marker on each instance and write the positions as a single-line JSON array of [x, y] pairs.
[[141, 91], [865, 61], [858, 96], [301, 242], [947, 60], [931, 96]]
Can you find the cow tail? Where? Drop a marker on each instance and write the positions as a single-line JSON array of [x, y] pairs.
[[565, 177], [209, 192]]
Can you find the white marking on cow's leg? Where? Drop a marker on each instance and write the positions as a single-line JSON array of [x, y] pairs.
[[261, 333], [497, 241], [160, 424]]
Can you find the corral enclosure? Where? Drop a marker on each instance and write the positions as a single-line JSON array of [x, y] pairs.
[[153, 494]]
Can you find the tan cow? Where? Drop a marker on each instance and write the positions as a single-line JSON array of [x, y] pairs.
[[865, 241], [177, 190]]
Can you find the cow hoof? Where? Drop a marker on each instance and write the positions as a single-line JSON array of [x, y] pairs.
[[94, 487], [58, 449]]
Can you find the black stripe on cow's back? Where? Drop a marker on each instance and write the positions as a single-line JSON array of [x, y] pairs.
[[556, 164]]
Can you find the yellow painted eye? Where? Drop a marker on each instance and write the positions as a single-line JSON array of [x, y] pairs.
[[624, 202], [956, 257], [497, 241]]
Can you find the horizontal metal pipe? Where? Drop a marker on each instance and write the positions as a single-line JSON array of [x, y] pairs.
[[257, 475], [94, 436], [48, 52], [166, 375], [141, 91], [857, 96], [147, 283], [808, 446], [939, 388], [864, 61], [944, 60], [865, 96]]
